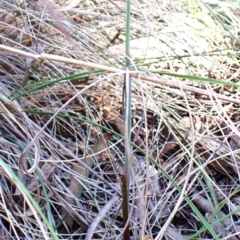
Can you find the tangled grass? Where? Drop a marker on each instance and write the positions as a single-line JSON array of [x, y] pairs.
[[63, 129]]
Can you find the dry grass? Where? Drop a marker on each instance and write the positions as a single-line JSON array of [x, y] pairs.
[[61, 132]]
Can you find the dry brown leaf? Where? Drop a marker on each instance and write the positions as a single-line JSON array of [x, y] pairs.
[[167, 147], [46, 170], [235, 145], [32, 183], [222, 166], [172, 234], [75, 186]]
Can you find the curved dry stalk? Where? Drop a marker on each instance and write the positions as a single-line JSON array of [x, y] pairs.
[[29, 203], [12, 105], [100, 216]]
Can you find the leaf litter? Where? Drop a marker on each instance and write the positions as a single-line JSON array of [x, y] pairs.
[[79, 155]]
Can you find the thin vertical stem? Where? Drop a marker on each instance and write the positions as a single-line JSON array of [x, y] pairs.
[[127, 120], [125, 190]]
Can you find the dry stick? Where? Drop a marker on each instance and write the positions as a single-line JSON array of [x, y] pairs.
[[125, 190], [100, 216], [135, 74]]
